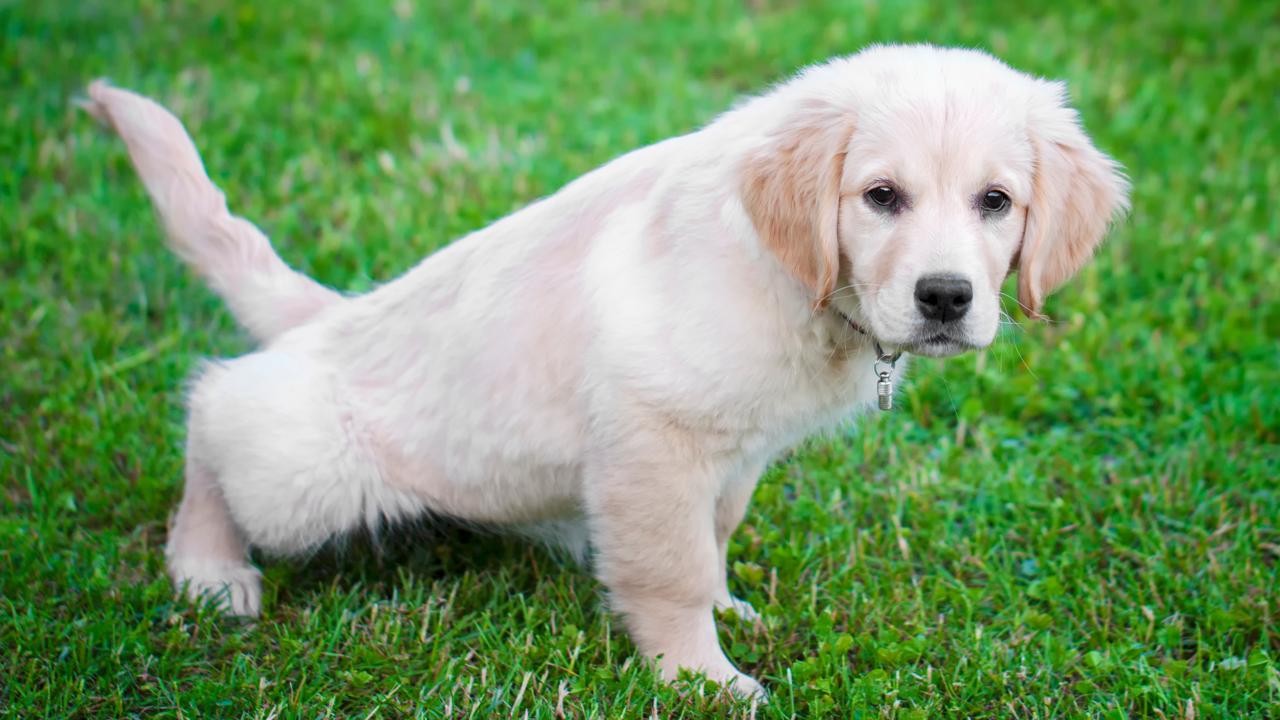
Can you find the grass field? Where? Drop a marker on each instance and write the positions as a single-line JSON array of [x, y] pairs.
[[1084, 521]]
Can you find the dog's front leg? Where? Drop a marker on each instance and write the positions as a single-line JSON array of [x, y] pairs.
[[730, 509], [653, 521]]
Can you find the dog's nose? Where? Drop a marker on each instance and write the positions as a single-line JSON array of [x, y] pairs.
[[943, 298]]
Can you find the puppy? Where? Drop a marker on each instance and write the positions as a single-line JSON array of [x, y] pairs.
[[613, 366]]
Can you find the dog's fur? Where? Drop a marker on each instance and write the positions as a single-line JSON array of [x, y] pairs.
[[614, 365]]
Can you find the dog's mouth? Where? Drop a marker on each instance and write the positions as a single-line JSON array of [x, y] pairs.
[[934, 342], [940, 345]]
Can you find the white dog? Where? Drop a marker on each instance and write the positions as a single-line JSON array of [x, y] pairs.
[[613, 366]]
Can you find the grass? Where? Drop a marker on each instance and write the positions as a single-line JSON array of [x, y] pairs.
[[1082, 522]]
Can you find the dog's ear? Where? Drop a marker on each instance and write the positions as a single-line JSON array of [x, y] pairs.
[[791, 191], [1078, 192]]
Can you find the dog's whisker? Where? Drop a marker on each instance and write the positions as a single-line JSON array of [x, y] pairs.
[[834, 293], [1007, 323]]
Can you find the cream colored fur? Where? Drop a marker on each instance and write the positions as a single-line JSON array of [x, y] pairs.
[[614, 365]]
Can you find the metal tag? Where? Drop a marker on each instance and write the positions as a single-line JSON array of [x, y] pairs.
[[884, 389]]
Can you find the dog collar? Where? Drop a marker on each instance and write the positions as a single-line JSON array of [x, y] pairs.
[[853, 324], [884, 385]]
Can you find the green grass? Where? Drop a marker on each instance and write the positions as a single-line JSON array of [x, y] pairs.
[[1083, 522]]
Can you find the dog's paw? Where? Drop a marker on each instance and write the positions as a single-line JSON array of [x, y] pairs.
[[235, 587], [725, 676], [745, 686], [741, 608]]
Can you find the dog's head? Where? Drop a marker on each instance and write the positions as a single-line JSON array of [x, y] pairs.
[[902, 185]]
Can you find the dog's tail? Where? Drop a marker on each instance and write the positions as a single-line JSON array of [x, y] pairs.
[[265, 295]]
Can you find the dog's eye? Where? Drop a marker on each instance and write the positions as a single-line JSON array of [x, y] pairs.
[[884, 196], [995, 201]]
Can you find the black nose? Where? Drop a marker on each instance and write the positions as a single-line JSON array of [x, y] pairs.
[[942, 298]]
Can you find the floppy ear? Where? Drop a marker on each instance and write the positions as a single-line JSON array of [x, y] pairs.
[[791, 191], [1078, 192]]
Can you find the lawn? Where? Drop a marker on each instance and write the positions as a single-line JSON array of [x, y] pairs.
[[1083, 521]]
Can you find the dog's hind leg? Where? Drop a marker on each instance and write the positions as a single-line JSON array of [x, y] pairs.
[[205, 554], [278, 461]]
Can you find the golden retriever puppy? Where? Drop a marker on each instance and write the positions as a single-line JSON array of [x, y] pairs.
[[613, 366]]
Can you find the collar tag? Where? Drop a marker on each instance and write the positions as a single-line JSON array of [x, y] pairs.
[[884, 389], [884, 386]]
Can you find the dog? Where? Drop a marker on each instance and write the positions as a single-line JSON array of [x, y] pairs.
[[612, 367]]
